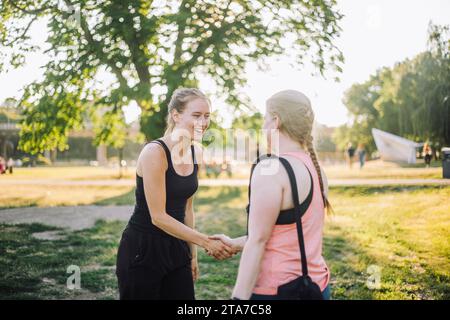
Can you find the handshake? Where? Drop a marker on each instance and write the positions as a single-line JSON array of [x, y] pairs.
[[222, 247]]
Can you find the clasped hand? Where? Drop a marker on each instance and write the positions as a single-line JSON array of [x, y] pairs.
[[220, 247]]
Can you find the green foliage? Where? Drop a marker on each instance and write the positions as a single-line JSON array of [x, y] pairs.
[[48, 120], [253, 122], [150, 49], [109, 127], [323, 138], [325, 144], [10, 111]]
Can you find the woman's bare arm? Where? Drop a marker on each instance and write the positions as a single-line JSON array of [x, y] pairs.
[[153, 166], [190, 222], [265, 203]]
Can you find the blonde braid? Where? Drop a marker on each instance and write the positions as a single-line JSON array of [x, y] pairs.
[[312, 153]]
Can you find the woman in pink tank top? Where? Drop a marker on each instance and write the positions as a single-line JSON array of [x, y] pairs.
[[270, 252]]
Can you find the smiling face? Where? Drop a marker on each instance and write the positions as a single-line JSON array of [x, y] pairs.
[[194, 120]]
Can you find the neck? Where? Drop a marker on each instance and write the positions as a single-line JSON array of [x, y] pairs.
[[286, 144], [182, 143]]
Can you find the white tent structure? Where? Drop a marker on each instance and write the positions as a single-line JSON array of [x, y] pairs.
[[395, 148]]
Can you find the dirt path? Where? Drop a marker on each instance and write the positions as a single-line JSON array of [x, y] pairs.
[[72, 218]]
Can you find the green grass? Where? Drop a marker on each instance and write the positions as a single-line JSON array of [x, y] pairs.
[[403, 230], [127, 198], [36, 269]]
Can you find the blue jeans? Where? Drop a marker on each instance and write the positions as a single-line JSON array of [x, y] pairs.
[[326, 293], [362, 159]]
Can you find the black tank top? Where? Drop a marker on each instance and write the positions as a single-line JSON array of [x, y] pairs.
[[178, 190]]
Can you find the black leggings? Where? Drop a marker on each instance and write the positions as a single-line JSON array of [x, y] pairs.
[[145, 279], [177, 285]]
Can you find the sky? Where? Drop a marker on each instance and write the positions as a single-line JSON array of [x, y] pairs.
[[376, 33]]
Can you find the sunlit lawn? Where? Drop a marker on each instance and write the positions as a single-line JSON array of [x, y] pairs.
[[403, 230], [373, 170], [16, 195], [68, 173], [385, 170]]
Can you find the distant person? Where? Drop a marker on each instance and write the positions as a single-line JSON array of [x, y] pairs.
[[10, 165], [208, 170], [350, 153], [2, 165], [229, 170], [19, 163], [427, 154], [361, 151], [212, 170], [217, 169]]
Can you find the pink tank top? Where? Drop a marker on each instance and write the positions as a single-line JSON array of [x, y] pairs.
[[281, 259]]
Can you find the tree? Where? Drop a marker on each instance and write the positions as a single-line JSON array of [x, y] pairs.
[[150, 49], [254, 122], [323, 141], [411, 99]]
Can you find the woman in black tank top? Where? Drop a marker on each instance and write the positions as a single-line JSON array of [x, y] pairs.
[[157, 257]]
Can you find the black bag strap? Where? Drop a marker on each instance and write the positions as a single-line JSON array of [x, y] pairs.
[[298, 216]]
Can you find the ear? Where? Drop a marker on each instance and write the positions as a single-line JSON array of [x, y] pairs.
[[175, 116], [277, 122]]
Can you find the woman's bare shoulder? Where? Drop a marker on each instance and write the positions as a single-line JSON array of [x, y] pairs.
[[151, 154], [152, 150]]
